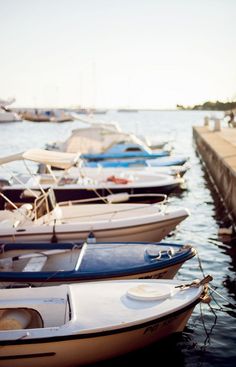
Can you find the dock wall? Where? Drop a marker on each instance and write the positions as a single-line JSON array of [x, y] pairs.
[[218, 152]]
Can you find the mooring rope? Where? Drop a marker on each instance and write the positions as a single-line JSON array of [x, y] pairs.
[[213, 289], [212, 310]]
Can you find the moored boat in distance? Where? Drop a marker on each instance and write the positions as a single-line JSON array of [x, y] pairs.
[[100, 135], [6, 114], [46, 115], [126, 150], [168, 161]]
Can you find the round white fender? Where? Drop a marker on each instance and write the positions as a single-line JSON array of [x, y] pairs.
[[118, 198]]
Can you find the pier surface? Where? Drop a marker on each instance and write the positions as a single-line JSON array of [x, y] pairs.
[[218, 152]]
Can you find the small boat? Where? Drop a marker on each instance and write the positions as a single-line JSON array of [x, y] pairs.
[[126, 150], [95, 138], [47, 264], [84, 323], [99, 136], [47, 220], [81, 183], [85, 170], [72, 187], [6, 114], [171, 160], [177, 171], [55, 115]]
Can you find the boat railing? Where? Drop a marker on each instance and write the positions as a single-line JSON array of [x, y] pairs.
[[118, 198], [44, 204]]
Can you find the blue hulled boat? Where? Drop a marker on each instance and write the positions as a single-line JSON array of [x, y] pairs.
[[40, 263], [126, 150], [168, 161]]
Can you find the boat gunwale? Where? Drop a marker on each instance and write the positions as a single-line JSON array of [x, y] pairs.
[[94, 334]]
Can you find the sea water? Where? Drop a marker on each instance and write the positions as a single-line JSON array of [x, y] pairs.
[[210, 336]]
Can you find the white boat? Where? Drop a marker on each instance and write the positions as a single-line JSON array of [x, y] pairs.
[[178, 171], [47, 220], [55, 115], [6, 115], [98, 137], [84, 183], [74, 325], [72, 220], [94, 139]]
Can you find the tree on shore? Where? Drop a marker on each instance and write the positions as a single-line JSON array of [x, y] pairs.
[[210, 106]]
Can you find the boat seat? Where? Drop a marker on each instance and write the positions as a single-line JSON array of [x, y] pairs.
[[6, 223], [62, 262], [35, 264]]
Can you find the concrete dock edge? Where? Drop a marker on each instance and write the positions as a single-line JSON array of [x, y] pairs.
[[217, 150]]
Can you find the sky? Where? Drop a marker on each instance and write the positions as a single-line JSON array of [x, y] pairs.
[[117, 53]]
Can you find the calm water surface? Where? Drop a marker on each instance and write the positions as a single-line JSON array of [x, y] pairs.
[[210, 336]]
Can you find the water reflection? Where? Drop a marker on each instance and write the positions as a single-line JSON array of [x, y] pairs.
[[158, 354]]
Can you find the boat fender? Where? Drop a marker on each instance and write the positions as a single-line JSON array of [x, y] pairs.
[[118, 198], [57, 213], [26, 209], [14, 319]]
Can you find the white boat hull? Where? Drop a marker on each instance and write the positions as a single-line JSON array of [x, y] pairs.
[[88, 348], [154, 231]]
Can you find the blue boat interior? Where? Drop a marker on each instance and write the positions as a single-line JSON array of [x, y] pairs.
[[43, 261]]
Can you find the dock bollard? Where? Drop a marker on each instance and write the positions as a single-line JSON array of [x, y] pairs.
[[206, 121], [217, 125]]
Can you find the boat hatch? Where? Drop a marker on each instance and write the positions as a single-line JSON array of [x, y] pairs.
[[38, 309], [146, 292], [20, 318]]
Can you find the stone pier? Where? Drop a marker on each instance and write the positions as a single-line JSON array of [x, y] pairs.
[[217, 148]]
